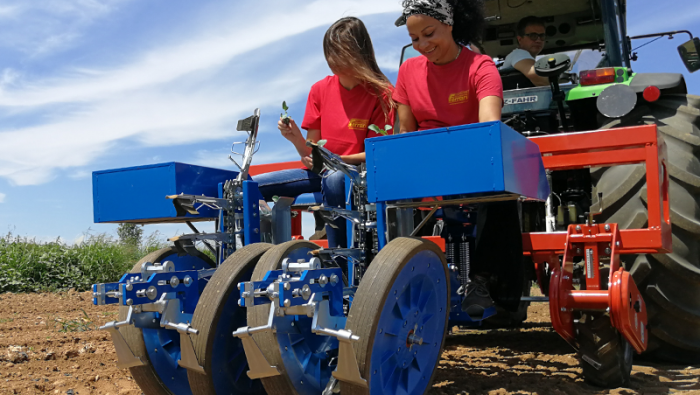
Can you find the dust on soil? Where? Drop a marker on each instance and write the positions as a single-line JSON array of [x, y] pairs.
[[43, 350]]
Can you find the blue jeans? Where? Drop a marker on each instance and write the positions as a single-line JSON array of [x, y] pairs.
[[294, 182]]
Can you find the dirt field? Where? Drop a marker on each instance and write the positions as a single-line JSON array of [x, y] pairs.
[[42, 350]]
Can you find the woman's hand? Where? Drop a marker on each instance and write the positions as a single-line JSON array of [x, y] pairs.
[[308, 162], [291, 132]]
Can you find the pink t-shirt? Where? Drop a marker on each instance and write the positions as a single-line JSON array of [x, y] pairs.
[[447, 95], [343, 116]]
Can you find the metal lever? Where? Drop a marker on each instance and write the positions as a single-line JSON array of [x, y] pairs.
[[589, 220]]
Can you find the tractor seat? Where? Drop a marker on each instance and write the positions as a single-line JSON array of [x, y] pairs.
[[308, 199], [513, 79]]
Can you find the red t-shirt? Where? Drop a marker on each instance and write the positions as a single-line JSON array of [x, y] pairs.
[[343, 116], [447, 95]]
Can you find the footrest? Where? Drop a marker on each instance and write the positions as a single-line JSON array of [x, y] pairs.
[[308, 199]]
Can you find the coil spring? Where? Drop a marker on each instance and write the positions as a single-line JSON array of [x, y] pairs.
[[450, 251], [464, 262]]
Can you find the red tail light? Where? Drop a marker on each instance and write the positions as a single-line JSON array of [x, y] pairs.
[[597, 76]]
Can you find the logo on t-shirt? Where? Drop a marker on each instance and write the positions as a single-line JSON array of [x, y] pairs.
[[460, 97], [359, 124]]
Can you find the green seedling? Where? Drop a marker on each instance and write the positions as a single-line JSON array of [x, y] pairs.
[[284, 116], [376, 129]]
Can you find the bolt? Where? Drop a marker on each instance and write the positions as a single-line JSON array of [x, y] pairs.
[[617, 243], [245, 294], [607, 228], [608, 250], [578, 228], [129, 302], [292, 324], [154, 320], [323, 280], [129, 287], [287, 286], [287, 303], [151, 292], [174, 281], [256, 230], [334, 279], [306, 292], [238, 286], [187, 281]]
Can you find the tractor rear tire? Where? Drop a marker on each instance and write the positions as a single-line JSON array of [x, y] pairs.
[[670, 283]]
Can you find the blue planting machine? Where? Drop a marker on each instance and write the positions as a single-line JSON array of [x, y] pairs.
[[284, 316]]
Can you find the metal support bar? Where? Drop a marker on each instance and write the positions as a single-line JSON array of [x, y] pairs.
[[125, 357], [258, 364], [424, 221], [188, 359]]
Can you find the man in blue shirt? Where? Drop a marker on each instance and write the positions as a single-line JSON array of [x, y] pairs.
[[531, 39]]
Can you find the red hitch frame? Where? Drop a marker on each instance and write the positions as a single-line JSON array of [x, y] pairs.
[[593, 242]]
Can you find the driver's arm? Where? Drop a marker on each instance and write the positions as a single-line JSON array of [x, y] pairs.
[[527, 67]]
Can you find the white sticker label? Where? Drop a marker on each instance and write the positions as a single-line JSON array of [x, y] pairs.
[[520, 100]]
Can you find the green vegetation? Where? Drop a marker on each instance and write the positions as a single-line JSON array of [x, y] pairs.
[[82, 324], [285, 117], [27, 265], [377, 130]]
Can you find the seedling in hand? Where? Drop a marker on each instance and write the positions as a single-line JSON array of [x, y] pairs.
[[285, 117], [376, 129]]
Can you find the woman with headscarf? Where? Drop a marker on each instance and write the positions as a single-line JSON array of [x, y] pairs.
[[451, 85]]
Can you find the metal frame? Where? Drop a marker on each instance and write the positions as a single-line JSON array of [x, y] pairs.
[[623, 146]]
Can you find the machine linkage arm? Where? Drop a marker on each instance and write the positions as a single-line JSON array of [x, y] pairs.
[[132, 289], [301, 288], [185, 204], [325, 158]]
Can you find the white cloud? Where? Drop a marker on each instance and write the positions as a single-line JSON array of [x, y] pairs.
[[2, 197], [190, 91], [41, 27]]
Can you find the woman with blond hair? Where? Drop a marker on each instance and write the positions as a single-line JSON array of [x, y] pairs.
[[340, 109]]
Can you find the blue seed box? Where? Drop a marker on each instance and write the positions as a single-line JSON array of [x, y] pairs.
[[137, 194], [481, 159]]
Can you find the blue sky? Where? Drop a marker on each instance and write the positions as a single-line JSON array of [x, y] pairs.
[[89, 85]]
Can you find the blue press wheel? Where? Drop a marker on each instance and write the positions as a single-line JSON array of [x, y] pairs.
[[302, 358], [403, 296], [216, 317], [159, 348]]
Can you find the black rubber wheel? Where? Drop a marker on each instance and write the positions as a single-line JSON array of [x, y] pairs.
[[220, 300], [670, 283], [403, 261], [512, 319], [146, 376], [258, 316], [606, 357]]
